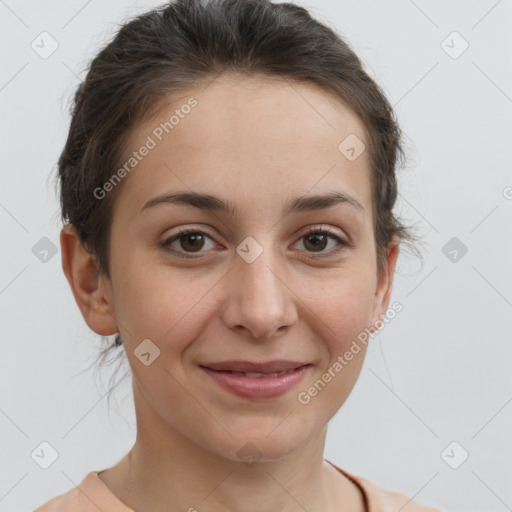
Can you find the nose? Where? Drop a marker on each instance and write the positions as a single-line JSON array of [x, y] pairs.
[[259, 297]]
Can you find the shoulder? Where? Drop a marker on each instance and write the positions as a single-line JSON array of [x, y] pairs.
[[91, 495], [67, 502], [378, 499], [384, 500]]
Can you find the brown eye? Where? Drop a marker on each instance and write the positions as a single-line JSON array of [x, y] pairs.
[[317, 240], [190, 241]]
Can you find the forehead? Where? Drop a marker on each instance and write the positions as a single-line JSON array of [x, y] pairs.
[[246, 137]]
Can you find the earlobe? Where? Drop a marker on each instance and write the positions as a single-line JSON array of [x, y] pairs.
[[89, 289]]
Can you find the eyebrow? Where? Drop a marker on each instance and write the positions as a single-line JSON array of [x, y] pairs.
[[215, 204]]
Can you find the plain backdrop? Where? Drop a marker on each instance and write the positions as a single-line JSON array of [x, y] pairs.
[[431, 415]]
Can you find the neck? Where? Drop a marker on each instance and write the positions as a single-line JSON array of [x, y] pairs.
[[164, 469]]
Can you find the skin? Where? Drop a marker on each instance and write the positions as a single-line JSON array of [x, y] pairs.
[[257, 144]]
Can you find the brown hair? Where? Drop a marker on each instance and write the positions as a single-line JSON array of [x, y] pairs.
[[184, 43]]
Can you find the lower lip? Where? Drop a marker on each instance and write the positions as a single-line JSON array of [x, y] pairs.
[[260, 387]]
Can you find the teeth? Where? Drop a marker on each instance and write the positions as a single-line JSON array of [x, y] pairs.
[[257, 375]]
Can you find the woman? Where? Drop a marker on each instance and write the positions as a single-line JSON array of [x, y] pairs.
[[227, 187]]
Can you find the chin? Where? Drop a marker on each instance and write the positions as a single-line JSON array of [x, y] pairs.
[[255, 445]]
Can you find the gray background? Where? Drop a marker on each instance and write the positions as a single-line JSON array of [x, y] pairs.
[[438, 373]]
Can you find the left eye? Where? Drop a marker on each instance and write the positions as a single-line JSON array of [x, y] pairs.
[[193, 240]]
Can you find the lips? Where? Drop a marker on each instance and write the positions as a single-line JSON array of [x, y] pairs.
[[255, 369], [257, 375], [257, 380]]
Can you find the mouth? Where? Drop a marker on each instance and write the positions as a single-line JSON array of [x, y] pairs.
[[255, 375], [256, 380], [266, 368]]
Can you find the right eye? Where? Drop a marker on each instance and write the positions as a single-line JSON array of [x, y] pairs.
[[190, 239]]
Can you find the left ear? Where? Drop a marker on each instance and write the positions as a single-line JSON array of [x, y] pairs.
[[384, 284]]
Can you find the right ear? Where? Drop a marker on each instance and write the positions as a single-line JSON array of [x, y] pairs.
[[92, 292]]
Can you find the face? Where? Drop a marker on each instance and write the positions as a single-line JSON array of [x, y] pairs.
[[250, 284]]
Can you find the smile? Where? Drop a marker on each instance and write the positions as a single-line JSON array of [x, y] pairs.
[[257, 385]]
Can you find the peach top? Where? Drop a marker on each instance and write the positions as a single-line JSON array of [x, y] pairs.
[[92, 495]]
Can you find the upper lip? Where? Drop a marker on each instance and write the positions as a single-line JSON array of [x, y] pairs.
[[248, 366]]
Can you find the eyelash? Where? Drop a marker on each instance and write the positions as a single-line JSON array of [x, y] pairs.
[[187, 231]]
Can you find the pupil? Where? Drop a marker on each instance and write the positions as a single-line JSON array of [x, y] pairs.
[[316, 237], [195, 236]]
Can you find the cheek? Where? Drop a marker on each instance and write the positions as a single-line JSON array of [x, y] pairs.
[[167, 307], [345, 313], [140, 297], [343, 308]]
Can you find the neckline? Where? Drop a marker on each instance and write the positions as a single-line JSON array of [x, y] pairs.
[[356, 481], [119, 506]]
